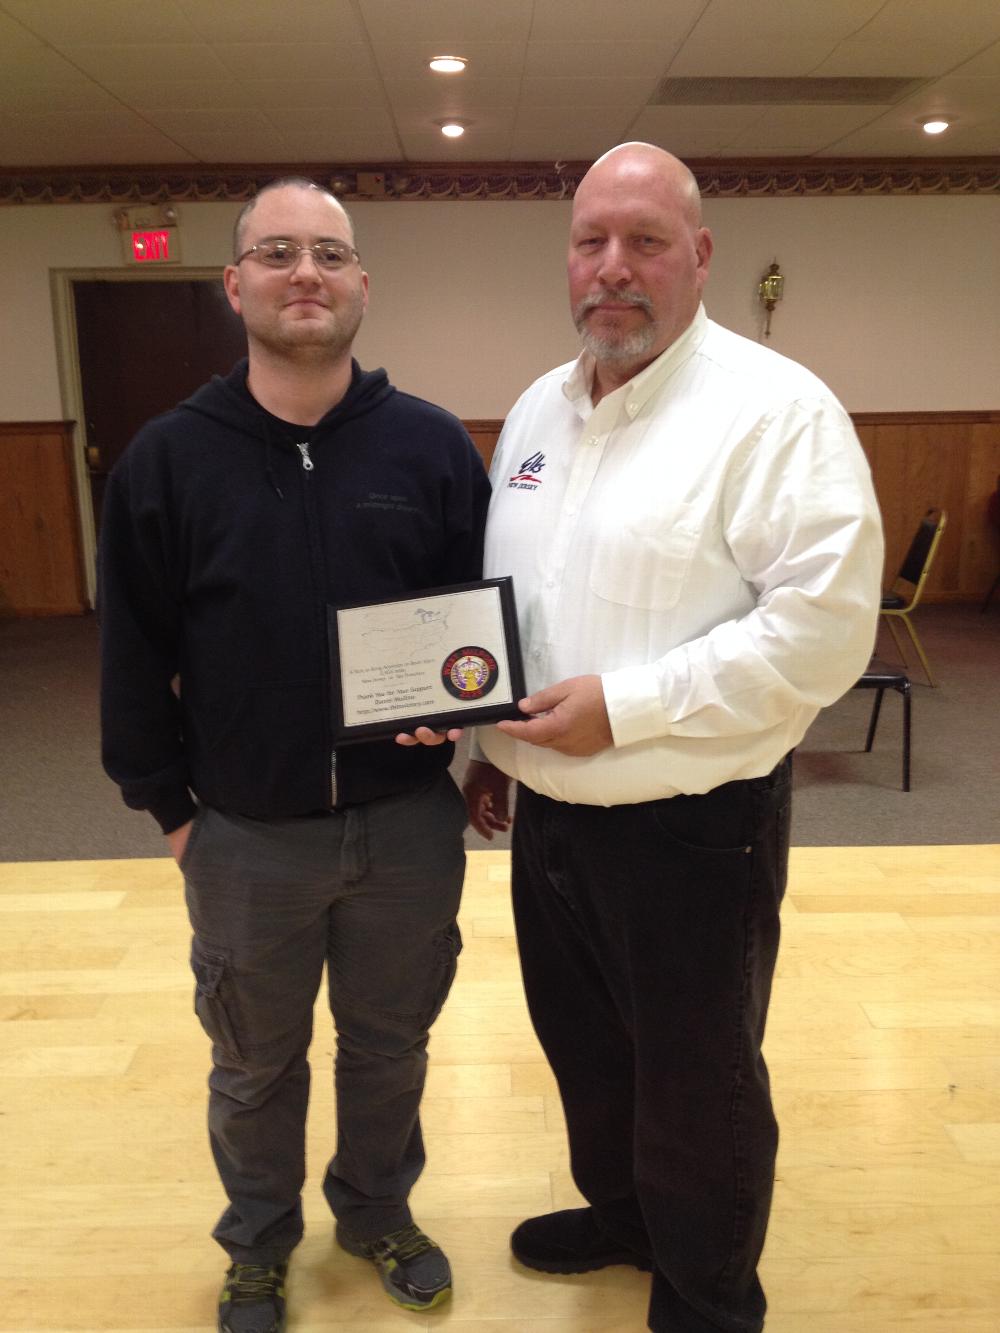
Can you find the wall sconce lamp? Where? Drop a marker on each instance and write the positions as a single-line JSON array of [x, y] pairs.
[[771, 290]]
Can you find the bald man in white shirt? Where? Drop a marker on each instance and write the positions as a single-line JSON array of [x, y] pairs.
[[696, 552]]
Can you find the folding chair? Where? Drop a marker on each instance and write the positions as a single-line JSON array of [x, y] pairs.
[[880, 676], [905, 593]]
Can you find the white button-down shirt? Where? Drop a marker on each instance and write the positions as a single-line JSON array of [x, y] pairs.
[[706, 540]]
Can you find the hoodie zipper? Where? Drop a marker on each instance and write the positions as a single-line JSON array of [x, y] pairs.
[[307, 466]]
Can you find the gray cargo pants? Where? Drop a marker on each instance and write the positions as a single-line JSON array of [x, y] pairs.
[[372, 891]]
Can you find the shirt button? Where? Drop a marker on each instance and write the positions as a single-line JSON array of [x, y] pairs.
[[633, 408], [592, 440]]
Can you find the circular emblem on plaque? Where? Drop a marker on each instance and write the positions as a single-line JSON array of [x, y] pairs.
[[469, 673]]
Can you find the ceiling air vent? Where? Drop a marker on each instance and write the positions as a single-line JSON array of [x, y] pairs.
[[783, 92]]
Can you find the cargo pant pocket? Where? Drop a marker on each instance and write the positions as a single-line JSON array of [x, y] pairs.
[[447, 947], [210, 967]]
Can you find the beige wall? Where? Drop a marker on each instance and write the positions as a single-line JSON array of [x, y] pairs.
[[895, 301]]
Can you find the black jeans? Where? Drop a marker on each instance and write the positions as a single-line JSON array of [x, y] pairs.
[[648, 937]]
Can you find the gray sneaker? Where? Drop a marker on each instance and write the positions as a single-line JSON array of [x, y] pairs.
[[414, 1271], [253, 1299]]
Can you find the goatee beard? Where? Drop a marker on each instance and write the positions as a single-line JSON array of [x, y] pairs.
[[616, 347]]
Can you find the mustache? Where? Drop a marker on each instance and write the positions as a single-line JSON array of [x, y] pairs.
[[598, 299]]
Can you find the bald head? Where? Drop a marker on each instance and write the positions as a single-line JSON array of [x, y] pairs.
[[638, 258], [645, 162]]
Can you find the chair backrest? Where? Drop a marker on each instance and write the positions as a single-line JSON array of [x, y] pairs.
[[917, 562]]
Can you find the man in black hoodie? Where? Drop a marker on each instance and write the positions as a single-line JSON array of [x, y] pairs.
[[229, 525]]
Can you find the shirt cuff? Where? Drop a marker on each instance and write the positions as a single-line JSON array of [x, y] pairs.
[[635, 706]]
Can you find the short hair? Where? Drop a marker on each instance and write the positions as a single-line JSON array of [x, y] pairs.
[[297, 182]]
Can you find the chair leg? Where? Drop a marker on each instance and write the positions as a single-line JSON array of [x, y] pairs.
[[905, 692], [891, 622], [873, 720], [919, 647]]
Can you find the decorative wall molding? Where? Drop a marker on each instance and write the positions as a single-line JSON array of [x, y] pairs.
[[414, 182]]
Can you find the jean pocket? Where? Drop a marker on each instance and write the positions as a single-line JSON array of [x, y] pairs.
[[718, 823]]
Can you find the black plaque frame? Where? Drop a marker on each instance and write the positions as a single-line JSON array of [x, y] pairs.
[[465, 713]]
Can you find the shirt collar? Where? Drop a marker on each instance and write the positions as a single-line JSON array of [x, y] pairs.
[[576, 386]]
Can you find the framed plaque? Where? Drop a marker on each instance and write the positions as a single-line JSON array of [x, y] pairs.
[[446, 657]]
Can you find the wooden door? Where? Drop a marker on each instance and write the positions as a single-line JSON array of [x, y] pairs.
[[143, 347]]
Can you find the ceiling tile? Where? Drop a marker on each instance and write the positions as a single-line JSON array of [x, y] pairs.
[[733, 22], [58, 140], [687, 135], [894, 140], [664, 25], [335, 146], [183, 94], [608, 122], [487, 60], [971, 23], [278, 21], [539, 91], [474, 147], [753, 57], [354, 120], [295, 60], [799, 130], [106, 63], [314, 93], [27, 65], [570, 146], [67, 97], [69, 22], [583, 59], [491, 120], [244, 146], [452, 97], [447, 20], [986, 63]]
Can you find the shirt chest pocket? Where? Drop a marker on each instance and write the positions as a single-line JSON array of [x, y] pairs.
[[642, 559]]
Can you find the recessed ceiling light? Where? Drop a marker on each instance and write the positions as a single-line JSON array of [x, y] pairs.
[[451, 129], [935, 126], [448, 64]]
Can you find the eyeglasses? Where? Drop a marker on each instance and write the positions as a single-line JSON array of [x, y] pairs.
[[330, 255]]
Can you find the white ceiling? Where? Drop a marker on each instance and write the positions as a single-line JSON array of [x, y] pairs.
[[106, 82]]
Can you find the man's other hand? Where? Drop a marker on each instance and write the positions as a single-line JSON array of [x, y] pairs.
[[570, 717], [427, 736], [178, 840], [486, 795]]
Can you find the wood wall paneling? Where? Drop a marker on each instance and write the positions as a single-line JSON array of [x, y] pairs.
[[946, 460], [485, 434], [41, 563], [918, 460]]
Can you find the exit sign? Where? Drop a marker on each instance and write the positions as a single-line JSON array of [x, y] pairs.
[[159, 246]]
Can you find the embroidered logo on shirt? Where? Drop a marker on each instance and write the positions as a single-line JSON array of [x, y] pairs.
[[526, 478]]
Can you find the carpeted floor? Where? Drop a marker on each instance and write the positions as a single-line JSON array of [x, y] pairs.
[[56, 803]]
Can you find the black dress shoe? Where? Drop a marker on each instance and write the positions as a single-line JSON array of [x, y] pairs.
[[571, 1242]]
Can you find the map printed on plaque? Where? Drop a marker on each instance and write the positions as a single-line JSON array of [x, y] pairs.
[[446, 657]]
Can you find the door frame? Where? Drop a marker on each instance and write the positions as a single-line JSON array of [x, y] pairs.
[[71, 386]]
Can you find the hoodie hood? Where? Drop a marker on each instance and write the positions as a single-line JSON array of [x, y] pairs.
[[227, 400]]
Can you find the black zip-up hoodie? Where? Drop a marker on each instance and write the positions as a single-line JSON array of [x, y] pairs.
[[220, 550]]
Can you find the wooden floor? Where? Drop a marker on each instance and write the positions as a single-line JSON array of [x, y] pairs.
[[884, 1046]]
